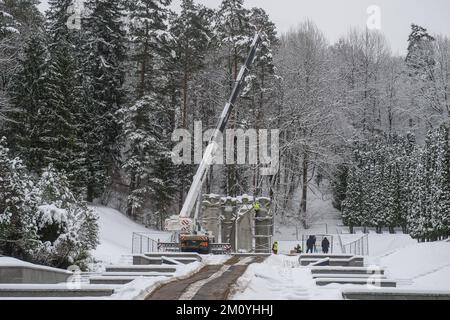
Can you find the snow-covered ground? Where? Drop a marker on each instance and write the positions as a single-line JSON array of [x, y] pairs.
[[419, 266], [416, 267], [281, 278], [116, 232], [142, 287]]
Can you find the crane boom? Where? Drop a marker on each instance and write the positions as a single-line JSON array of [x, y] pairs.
[[203, 169]]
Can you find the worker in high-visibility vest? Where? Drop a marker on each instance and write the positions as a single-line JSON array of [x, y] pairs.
[[275, 247], [256, 207]]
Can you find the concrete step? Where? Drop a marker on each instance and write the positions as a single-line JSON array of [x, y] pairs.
[[346, 270], [112, 280], [383, 283], [17, 271], [140, 260], [345, 276], [138, 268], [174, 255], [335, 262], [322, 256], [137, 274], [59, 290], [394, 294], [167, 260]]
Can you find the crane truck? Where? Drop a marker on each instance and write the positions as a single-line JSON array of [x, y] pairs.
[[185, 226]]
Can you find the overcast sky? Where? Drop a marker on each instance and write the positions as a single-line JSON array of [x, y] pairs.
[[336, 17]]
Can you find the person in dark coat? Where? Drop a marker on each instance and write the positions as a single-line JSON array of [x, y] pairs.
[[310, 244], [314, 240], [325, 245]]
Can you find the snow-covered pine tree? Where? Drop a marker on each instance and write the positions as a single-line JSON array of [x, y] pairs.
[[9, 33], [17, 221], [24, 125], [191, 34], [66, 228], [8, 23], [56, 19], [422, 187], [352, 206], [147, 121], [399, 164], [408, 162], [60, 134], [26, 15], [441, 194], [103, 79], [147, 36], [339, 186], [379, 202], [147, 159], [420, 57], [61, 140], [234, 34], [18, 19], [420, 64]]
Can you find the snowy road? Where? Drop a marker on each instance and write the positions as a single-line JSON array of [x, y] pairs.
[[213, 282]]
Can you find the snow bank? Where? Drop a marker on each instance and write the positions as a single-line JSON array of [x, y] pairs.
[[280, 278], [420, 266], [116, 232], [142, 287]]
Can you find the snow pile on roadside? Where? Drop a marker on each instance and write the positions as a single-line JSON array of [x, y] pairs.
[[116, 232], [142, 287], [425, 265], [280, 278]]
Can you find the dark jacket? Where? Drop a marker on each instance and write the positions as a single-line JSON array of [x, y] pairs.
[[325, 243]]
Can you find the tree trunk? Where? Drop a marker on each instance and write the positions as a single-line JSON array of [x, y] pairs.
[[303, 203], [131, 189]]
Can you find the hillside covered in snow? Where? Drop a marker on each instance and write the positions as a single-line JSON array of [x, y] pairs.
[[116, 231]]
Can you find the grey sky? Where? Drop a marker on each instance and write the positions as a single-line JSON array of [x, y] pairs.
[[336, 17]]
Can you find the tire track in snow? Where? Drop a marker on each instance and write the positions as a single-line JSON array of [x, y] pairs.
[[194, 288]]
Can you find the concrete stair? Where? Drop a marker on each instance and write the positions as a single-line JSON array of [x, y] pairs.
[[145, 265], [344, 270], [159, 260], [377, 282], [140, 268], [31, 281], [351, 276], [394, 294], [17, 271], [53, 291], [331, 260], [175, 255]]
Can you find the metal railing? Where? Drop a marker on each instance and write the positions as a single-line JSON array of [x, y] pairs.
[[142, 243], [358, 247]]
